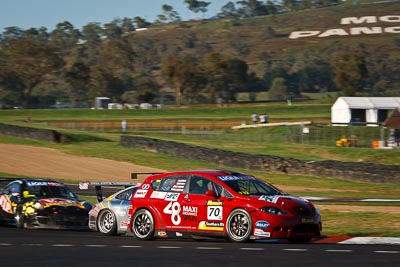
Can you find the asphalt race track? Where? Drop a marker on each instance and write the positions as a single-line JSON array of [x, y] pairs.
[[52, 248]]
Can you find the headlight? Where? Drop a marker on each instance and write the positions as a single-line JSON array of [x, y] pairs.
[[87, 205], [273, 210], [38, 206]]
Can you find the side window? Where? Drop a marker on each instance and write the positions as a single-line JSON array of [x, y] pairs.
[[221, 191], [127, 194], [14, 188], [176, 183], [199, 185]]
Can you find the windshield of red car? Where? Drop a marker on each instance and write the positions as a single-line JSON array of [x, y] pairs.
[[248, 185]]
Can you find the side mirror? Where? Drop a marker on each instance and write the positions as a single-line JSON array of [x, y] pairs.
[[211, 193]]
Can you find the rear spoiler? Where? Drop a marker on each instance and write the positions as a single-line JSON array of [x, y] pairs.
[[135, 175], [98, 185], [8, 179]]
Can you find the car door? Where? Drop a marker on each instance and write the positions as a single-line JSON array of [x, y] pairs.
[[121, 204], [202, 212], [166, 198]]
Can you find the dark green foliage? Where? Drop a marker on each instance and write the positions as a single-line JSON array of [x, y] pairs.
[[111, 59]]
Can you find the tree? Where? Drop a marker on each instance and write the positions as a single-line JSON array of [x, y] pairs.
[[225, 75], [146, 89], [64, 36], [92, 33], [78, 77], [290, 5], [12, 32], [127, 25], [187, 78], [197, 6], [141, 23], [278, 89], [40, 34], [25, 63], [168, 15], [228, 11], [111, 74], [112, 29], [351, 72], [252, 8]]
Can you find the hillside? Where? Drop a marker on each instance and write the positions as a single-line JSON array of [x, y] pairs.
[[250, 38], [351, 48]]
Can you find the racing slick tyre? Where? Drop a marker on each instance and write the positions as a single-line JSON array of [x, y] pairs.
[[107, 222], [19, 218], [143, 225], [239, 226]]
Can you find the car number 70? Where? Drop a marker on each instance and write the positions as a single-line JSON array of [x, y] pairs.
[[214, 213]]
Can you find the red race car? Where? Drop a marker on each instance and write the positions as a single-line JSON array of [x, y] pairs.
[[219, 203]]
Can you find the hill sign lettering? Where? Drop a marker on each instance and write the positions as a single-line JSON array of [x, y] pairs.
[[354, 30]]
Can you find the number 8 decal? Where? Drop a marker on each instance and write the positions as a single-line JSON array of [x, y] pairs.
[[174, 209]]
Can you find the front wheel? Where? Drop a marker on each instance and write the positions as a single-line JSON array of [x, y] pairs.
[[107, 222], [239, 226], [143, 225], [19, 218]]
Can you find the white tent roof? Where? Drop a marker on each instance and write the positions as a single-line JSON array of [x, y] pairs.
[[371, 102]]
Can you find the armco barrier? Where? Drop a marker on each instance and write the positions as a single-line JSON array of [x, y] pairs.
[[31, 133], [271, 164]]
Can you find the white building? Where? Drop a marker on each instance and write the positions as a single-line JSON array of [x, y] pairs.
[[370, 111]]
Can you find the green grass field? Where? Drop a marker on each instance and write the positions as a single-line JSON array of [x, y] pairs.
[[105, 144]]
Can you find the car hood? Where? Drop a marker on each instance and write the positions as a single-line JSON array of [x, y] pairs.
[[295, 204], [48, 202]]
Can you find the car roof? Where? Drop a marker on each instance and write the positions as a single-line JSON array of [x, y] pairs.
[[26, 180], [209, 172]]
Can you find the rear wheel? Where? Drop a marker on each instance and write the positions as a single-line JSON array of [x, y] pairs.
[[143, 225], [107, 222], [239, 226]]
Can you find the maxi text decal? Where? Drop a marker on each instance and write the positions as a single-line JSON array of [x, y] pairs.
[[371, 29]]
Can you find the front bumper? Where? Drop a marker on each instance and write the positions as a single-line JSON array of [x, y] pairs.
[[58, 220]]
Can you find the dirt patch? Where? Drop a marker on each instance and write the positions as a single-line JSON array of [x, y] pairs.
[[51, 163]]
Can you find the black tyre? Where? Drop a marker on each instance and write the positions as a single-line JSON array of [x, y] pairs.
[[107, 222], [19, 218], [143, 225], [239, 226]]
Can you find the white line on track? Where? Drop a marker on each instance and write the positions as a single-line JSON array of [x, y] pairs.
[[255, 249], [131, 246], [167, 247], [387, 251], [295, 249], [62, 245], [5, 244], [208, 248], [96, 246], [338, 250]]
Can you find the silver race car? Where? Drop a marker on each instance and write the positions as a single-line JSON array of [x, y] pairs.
[[110, 215]]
